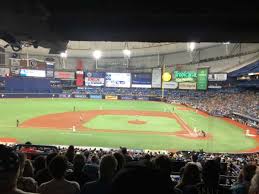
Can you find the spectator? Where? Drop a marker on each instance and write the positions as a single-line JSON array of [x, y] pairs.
[[59, 185], [108, 167], [27, 184], [195, 161], [254, 187], [247, 173], [138, 179], [211, 172], [163, 163], [190, 179], [9, 171], [28, 170], [120, 160], [126, 155], [77, 174], [43, 175], [39, 163], [70, 154]]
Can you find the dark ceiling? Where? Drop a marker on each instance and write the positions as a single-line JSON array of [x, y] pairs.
[[52, 23]]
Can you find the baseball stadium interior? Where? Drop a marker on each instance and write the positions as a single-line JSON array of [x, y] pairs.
[[111, 98]]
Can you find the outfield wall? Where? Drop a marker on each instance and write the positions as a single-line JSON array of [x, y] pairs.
[[81, 96]]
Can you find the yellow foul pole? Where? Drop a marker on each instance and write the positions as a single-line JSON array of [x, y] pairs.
[[163, 89]]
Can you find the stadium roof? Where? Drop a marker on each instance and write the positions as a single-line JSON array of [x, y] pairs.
[[114, 49], [52, 23], [249, 69]]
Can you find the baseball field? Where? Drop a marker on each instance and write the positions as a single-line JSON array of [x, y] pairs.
[[111, 124]]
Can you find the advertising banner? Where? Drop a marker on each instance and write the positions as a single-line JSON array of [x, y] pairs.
[[95, 79], [15, 67], [156, 78], [127, 98], [64, 95], [187, 86], [202, 78], [218, 77], [142, 98], [33, 64], [185, 76], [4, 72], [170, 85], [80, 96], [108, 97], [118, 80], [79, 78], [32, 73], [64, 75], [93, 96], [141, 80], [50, 70]]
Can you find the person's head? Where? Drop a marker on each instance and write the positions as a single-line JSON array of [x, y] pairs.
[[195, 157], [57, 167], [124, 151], [191, 174], [120, 160], [254, 186], [108, 167], [22, 159], [39, 163], [163, 163], [70, 153], [28, 170], [79, 162], [248, 172], [139, 179], [9, 168], [49, 158]]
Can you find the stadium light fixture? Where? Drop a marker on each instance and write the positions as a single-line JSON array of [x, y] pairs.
[[63, 54], [97, 54], [192, 46], [126, 53], [226, 43]]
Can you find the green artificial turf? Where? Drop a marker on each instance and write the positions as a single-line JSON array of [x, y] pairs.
[[226, 137], [120, 122]]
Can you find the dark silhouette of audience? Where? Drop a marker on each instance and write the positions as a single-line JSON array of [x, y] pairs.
[[108, 167], [59, 185]]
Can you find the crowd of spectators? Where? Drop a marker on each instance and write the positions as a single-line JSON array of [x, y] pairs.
[[95, 171]]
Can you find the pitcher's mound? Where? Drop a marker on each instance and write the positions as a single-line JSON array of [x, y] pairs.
[[137, 122]]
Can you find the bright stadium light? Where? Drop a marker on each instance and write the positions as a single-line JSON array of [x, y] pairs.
[[97, 54], [192, 46], [63, 54], [126, 53], [226, 43]]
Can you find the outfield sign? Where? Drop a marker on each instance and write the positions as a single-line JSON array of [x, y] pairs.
[[126, 97], [187, 86], [32, 73], [141, 80], [217, 77], [94, 96], [170, 85], [185, 76], [64, 75], [94, 79], [202, 78], [80, 96], [4, 72], [109, 97], [156, 78], [118, 80]]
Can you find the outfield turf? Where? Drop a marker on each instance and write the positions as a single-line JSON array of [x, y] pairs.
[[225, 137]]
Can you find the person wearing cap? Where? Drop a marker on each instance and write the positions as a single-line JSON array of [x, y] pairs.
[[9, 171]]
